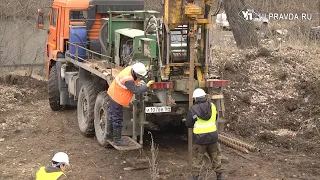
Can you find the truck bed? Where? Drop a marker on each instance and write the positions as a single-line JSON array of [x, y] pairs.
[[101, 68]]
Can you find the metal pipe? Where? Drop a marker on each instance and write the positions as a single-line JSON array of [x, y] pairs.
[[168, 49], [90, 51], [233, 146], [142, 118], [77, 52], [141, 134], [134, 119], [193, 27], [159, 47], [246, 145], [207, 53], [239, 143]]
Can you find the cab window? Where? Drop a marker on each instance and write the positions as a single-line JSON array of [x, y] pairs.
[[53, 17], [78, 15]]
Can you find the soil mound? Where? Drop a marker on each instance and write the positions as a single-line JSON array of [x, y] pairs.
[[273, 96], [18, 90]]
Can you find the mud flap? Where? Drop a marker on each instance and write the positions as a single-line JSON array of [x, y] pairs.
[[132, 144]]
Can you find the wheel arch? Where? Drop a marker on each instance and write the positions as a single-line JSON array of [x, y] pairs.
[[51, 62], [85, 76]]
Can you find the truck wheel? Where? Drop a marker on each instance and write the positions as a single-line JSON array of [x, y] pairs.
[[53, 90], [85, 107], [101, 110]]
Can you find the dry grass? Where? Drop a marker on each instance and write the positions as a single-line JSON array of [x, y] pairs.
[[295, 35], [154, 170], [25, 9], [20, 40]]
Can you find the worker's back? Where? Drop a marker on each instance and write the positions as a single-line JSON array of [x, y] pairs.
[[50, 173]]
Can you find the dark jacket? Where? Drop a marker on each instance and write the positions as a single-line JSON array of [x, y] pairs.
[[133, 88], [201, 109], [50, 169]]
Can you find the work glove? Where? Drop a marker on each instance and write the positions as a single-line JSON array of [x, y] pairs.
[[142, 83], [149, 83]]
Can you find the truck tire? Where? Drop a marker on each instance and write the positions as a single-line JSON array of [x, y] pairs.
[[53, 90], [101, 117], [85, 107]]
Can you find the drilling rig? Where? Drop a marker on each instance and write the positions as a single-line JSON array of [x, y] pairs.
[[91, 41]]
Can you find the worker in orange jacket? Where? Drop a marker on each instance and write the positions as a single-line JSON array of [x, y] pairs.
[[120, 92]]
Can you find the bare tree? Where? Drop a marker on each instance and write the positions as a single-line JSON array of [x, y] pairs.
[[18, 32], [155, 5], [243, 30]]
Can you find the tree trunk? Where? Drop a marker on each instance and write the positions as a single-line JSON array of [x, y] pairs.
[[243, 30], [155, 5]]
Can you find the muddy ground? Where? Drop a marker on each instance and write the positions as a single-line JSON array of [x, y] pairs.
[[31, 133]]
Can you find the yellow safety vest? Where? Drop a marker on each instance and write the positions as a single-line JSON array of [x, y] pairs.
[[203, 126], [43, 175]]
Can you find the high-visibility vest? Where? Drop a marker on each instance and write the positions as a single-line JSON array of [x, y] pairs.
[[203, 126], [43, 175], [118, 91]]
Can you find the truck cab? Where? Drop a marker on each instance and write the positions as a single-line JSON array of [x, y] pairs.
[[65, 13]]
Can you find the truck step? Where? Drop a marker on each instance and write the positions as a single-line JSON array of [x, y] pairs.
[[132, 144]]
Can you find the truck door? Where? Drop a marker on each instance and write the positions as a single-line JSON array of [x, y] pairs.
[[53, 27]]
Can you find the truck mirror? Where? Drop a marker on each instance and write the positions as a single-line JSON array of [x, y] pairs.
[[40, 18]]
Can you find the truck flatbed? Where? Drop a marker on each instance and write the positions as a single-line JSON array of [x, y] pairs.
[[99, 67]]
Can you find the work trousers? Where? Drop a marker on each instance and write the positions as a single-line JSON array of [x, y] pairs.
[[202, 163], [115, 114]]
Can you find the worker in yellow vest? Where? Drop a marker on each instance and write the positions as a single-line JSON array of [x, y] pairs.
[[202, 118], [120, 92], [55, 170]]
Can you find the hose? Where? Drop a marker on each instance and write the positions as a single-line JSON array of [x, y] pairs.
[[104, 46], [84, 44], [148, 27], [100, 37], [152, 17], [157, 34]]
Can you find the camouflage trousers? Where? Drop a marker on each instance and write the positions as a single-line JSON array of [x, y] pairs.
[[206, 158]]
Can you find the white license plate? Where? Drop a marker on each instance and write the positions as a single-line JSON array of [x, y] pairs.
[[158, 109]]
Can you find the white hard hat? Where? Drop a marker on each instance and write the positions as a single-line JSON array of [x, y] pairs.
[[61, 157], [140, 69], [199, 93]]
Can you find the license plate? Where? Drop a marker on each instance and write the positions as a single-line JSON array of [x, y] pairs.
[[158, 109]]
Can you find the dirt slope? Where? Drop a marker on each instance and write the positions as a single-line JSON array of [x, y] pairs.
[[31, 133], [273, 97]]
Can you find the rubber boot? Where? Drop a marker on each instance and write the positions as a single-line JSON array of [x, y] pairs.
[[109, 130], [219, 175], [117, 137]]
